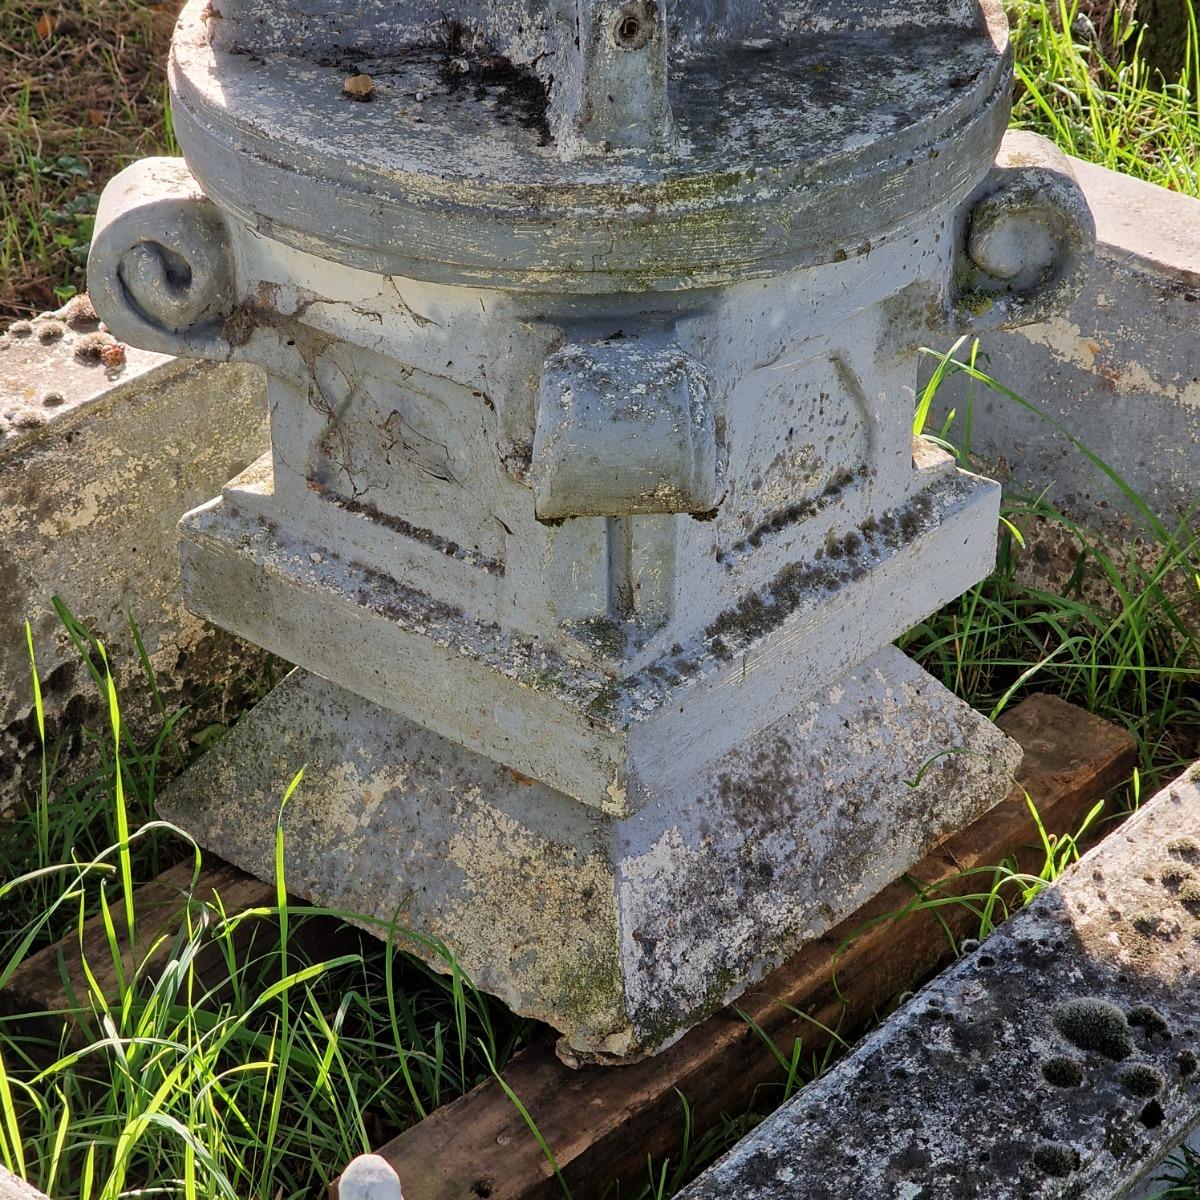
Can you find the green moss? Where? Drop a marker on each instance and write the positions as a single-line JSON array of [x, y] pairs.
[[1095, 1025], [1189, 896], [1187, 1062], [1063, 1071], [1142, 1080], [1149, 1019], [1056, 1158], [1174, 873], [1186, 848], [1147, 922], [605, 705]]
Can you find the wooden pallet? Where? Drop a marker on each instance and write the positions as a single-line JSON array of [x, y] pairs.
[[602, 1123]]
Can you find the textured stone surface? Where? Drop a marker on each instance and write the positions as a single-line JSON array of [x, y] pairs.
[[97, 464], [482, 113], [620, 931], [1060, 1059]]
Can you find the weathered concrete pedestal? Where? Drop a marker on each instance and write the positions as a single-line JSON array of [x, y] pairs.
[[591, 339], [622, 930]]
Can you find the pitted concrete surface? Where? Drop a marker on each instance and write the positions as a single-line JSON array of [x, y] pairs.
[[622, 932], [97, 464], [1060, 1059]]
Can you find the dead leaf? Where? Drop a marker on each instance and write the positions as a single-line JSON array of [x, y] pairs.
[[95, 117], [358, 87], [523, 780], [46, 24]]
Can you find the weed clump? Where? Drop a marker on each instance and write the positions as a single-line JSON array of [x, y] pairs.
[[1149, 1019], [1056, 1158], [1142, 1080], [1096, 1025], [1189, 897], [1063, 1071]]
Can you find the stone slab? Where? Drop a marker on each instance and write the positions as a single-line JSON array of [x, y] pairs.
[[620, 931], [97, 463], [1060, 1059]]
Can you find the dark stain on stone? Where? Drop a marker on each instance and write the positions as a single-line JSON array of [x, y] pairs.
[[761, 612], [427, 537], [1152, 1115], [520, 96]]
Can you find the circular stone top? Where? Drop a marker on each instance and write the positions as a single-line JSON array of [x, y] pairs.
[[588, 145]]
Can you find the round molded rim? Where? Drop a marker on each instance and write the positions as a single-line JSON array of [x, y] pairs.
[[583, 226]]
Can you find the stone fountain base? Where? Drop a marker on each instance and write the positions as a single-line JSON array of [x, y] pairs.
[[620, 931]]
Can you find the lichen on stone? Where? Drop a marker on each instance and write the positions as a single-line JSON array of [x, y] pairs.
[[1096, 1025]]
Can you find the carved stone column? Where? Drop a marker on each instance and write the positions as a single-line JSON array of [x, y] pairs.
[[593, 503]]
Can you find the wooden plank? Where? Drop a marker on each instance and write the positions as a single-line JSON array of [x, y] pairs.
[[602, 1123], [51, 983]]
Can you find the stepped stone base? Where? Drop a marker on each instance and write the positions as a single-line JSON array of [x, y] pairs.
[[621, 931]]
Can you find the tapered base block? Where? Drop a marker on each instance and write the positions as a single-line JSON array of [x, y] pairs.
[[620, 931]]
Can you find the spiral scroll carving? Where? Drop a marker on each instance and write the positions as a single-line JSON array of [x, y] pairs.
[[160, 271], [1028, 240]]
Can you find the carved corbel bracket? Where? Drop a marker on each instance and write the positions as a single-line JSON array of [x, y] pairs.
[[1026, 243], [160, 269], [626, 426]]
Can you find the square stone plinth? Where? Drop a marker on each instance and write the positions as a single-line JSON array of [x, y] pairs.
[[620, 931], [614, 736]]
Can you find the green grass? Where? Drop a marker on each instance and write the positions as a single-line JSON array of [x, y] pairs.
[[1110, 109], [82, 94], [256, 1062]]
